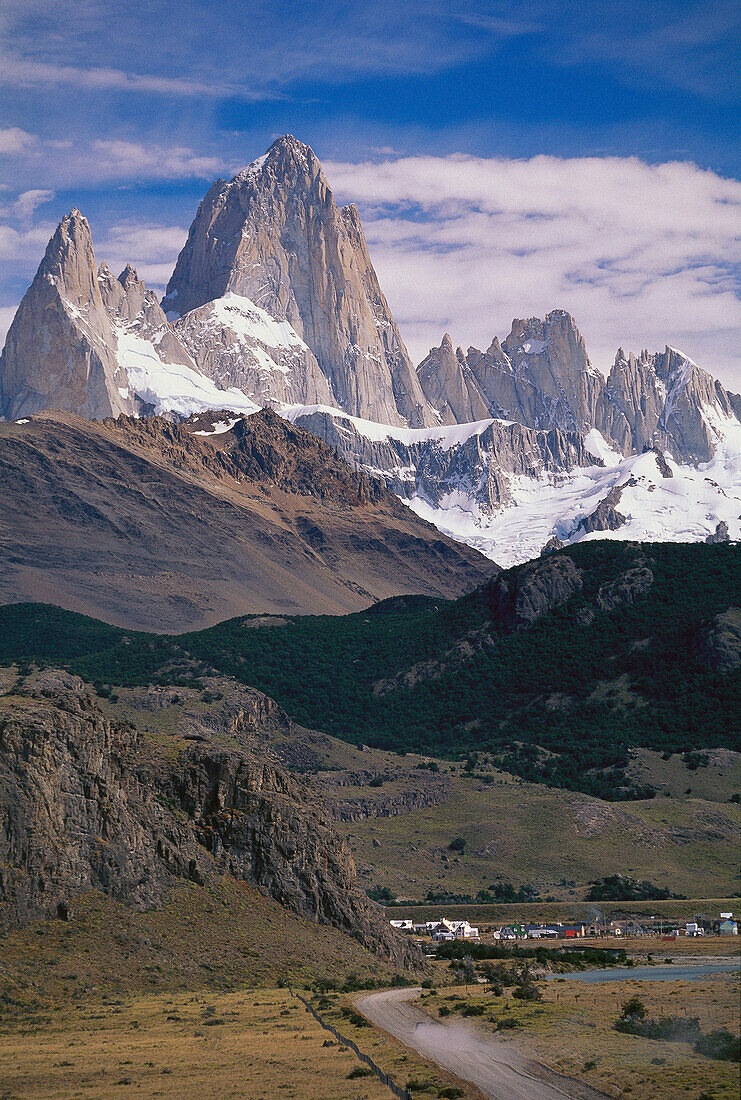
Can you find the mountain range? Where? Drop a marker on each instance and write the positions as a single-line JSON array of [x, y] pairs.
[[274, 302]]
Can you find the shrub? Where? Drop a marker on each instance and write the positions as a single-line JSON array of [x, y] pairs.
[[458, 845], [720, 1045], [359, 1071], [527, 990]]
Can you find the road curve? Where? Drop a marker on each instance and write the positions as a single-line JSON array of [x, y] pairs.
[[495, 1066]]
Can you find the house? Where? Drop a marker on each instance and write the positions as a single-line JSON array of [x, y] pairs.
[[454, 930], [728, 927], [513, 932], [572, 931], [692, 928], [402, 925], [541, 931]]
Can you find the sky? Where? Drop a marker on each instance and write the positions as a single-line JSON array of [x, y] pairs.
[[507, 158]]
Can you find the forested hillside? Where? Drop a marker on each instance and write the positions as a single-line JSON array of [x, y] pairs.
[[555, 669]]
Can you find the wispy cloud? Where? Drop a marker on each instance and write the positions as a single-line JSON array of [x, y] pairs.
[[641, 255], [84, 163], [25, 73], [122, 159]]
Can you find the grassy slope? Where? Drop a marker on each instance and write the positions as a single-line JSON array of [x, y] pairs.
[[503, 913], [220, 938], [610, 692], [556, 840], [524, 832]]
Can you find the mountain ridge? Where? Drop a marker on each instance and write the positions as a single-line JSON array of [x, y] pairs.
[[274, 302]]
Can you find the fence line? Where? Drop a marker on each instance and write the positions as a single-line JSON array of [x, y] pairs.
[[399, 1093]]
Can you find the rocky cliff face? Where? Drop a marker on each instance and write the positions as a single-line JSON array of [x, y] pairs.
[[275, 236], [59, 351], [436, 464], [450, 386], [85, 803]]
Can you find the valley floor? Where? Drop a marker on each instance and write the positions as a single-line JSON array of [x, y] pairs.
[[255, 1045]]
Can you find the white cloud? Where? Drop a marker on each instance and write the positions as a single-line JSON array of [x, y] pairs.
[[66, 164], [123, 159], [641, 255], [25, 244], [152, 249], [28, 201], [14, 140]]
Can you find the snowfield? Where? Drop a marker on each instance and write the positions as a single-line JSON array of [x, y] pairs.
[[684, 508], [173, 387]]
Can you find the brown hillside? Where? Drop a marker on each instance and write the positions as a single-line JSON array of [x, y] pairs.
[[147, 525]]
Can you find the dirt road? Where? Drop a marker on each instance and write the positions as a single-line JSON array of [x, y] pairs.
[[494, 1065]]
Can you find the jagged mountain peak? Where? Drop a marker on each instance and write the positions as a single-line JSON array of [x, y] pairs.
[[275, 237], [539, 376], [60, 351], [129, 278], [283, 160], [70, 259]]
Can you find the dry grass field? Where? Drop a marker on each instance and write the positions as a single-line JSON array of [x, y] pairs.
[[182, 1003], [571, 1030], [258, 1046]]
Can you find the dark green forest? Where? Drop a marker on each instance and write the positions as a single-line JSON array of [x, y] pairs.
[[561, 702]]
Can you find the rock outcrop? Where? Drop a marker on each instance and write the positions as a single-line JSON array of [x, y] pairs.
[[275, 235], [478, 464], [625, 589], [720, 534], [518, 599], [86, 804], [450, 386], [605, 516], [662, 400], [540, 377], [718, 644], [78, 811]]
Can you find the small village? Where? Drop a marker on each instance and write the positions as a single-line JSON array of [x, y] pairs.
[[444, 930]]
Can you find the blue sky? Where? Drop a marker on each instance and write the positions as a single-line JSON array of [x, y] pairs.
[[130, 110]]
